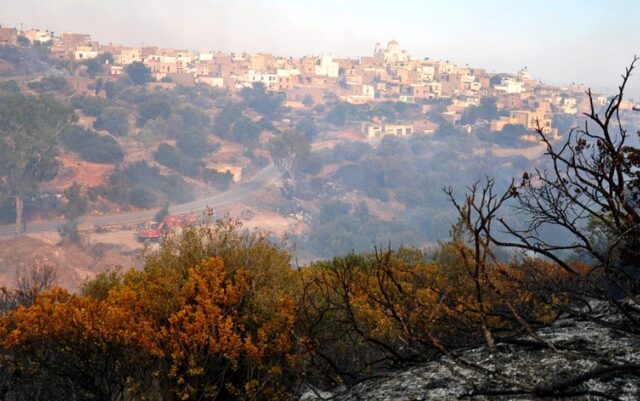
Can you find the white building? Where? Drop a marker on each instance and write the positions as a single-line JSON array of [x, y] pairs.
[[36, 35], [85, 53], [216, 82], [524, 75], [569, 106], [327, 67], [287, 72], [205, 56], [510, 85], [378, 131], [270, 81], [427, 73], [445, 68], [392, 54], [368, 91]]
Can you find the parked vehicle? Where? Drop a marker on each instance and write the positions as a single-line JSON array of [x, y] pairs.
[[153, 231]]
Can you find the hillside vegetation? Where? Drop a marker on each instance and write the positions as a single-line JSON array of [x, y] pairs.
[[218, 312]]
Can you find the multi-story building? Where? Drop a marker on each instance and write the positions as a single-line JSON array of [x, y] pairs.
[[128, 55], [85, 53], [38, 36], [327, 67], [393, 54], [373, 131], [510, 85], [8, 36]]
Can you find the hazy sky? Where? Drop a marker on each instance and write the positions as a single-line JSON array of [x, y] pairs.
[[561, 41]]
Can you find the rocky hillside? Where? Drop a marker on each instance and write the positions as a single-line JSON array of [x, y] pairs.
[[515, 370]]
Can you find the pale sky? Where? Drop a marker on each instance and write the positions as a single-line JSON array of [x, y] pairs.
[[561, 41]]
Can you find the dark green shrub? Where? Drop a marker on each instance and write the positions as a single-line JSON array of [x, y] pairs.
[[195, 145], [90, 105], [152, 109], [168, 156], [142, 197], [218, 179], [50, 83], [115, 120], [91, 146]]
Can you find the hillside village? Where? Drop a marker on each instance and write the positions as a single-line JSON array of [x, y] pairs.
[[375, 133], [197, 224], [389, 74]]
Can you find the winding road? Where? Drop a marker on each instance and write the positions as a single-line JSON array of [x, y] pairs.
[[238, 193]]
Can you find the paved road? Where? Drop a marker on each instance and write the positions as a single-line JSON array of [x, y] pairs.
[[240, 192]]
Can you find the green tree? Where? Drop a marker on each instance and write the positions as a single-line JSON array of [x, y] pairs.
[[195, 145], [193, 116], [246, 132], [290, 151], [139, 73], [23, 41], [218, 179], [90, 105], [105, 58], [231, 112], [114, 120], [447, 130], [152, 109], [91, 146], [94, 67], [51, 83], [110, 90], [98, 86], [307, 127], [340, 113], [487, 110], [153, 131], [75, 207], [29, 128], [262, 101], [495, 80]]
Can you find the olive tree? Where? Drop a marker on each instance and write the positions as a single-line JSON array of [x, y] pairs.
[[29, 129]]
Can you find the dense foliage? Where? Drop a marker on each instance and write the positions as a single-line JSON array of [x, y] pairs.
[[139, 73], [29, 129], [265, 102], [210, 316], [231, 123], [90, 105], [400, 175], [91, 146], [113, 119], [171, 157], [49, 83], [218, 313], [142, 185], [218, 179]]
